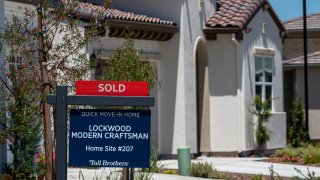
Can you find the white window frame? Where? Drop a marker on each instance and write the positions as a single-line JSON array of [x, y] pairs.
[[16, 62], [264, 83]]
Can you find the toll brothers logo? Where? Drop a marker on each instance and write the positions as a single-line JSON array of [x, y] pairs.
[[107, 163]]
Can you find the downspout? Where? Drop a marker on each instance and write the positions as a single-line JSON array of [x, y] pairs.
[[237, 44]]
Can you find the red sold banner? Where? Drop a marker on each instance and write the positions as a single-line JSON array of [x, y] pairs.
[[112, 88]]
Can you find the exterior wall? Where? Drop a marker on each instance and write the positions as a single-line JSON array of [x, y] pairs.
[[232, 88], [177, 69], [314, 104], [177, 102], [16, 8], [269, 41], [225, 109], [229, 102], [294, 47]]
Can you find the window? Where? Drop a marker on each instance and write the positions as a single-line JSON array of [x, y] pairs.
[[15, 62], [263, 77], [98, 63]]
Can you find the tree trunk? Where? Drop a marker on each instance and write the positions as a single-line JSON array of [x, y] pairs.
[[45, 92]]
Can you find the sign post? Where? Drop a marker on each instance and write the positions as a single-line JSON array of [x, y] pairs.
[[62, 100]]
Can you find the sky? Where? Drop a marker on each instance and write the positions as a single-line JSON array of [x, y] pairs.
[[289, 9]]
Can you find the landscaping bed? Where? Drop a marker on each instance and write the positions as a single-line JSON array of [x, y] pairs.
[[308, 155]]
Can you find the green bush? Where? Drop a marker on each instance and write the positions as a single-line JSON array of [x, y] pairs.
[[297, 130], [20, 121], [154, 165], [200, 169], [311, 159], [127, 64], [263, 112], [310, 176], [310, 154], [289, 151]]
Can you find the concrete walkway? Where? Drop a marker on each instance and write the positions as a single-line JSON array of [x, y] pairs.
[[236, 165], [248, 166]]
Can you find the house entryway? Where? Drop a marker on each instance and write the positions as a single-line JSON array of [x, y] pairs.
[[202, 98]]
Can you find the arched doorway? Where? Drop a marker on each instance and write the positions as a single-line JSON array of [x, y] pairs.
[[202, 97]]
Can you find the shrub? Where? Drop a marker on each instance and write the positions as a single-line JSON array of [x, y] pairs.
[[288, 151], [20, 121], [297, 130], [311, 159], [309, 176], [140, 175], [309, 154], [127, 64], [263, 112], [200, 169], [154, 165]]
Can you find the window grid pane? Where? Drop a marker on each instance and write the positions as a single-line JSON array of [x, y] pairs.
[[258, 69], [268, 69], [263, 78]]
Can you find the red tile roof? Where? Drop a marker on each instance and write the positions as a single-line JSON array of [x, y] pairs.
[[313, 22], [238, 13], [234, 13], [87, 9], [313, 58]]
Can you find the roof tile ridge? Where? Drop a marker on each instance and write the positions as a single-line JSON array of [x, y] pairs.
[[300, 18], [302, 56]]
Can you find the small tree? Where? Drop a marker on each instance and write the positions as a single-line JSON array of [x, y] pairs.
[[263, 112], [52, 40], [21, 121], [297, 129], [126, 64]]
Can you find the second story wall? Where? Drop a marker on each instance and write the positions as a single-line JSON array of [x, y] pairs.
[[294, 47], [264, 41]]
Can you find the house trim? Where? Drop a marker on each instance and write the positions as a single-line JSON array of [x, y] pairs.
[[264, 51], [211, 33], [147, 31], [298, 33]]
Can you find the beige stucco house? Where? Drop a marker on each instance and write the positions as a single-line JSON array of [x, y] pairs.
[[213, 57], [293, 65]]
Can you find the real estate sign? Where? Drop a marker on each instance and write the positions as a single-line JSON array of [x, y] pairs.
[[112, 88], [109, 138]]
